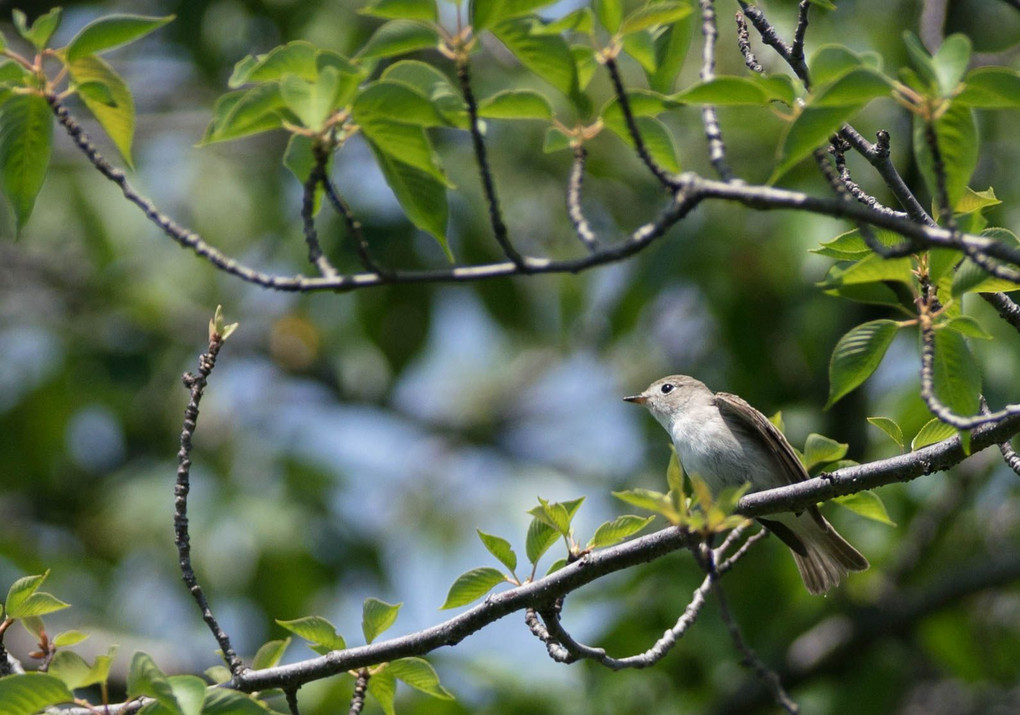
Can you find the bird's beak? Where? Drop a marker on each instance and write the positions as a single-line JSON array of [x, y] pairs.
[[637, 399]]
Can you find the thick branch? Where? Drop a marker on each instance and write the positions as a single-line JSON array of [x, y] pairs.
[[901, 468]]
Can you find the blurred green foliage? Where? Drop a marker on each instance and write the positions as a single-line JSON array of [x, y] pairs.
[[349, 445]]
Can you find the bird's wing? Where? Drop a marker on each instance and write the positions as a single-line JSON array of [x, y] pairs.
[[757, 426]]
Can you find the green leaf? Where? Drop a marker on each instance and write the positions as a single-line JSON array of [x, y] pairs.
[[851, 246], [737, 91], [398, 37], [656, 137], [72, 669], [956, 132], [392, 101], [976, 201], [434, 85], [819, 450], [269, 654], [41, 30], [515, 104], [556, 565], [830, 62], [618, 529], [873, 293], [808, 131], [971, 278], [318, 630], [383, 687], [69, 638], [646, 499], [111, 31], [967, 326], [990, 88], [12, 74], [866, 504], [548, 56], [299, 57], [420, 193], [921, 60], [581, 21], [857, 355], [407, 9], [675, 479], [957, 376], [96, 92], [950, 62], [670, 51], [540, 538], [485, 13], [420, 675], [26, 141], [554, 514], [118, 120], [854, 89], [472, 585], [662, 13], [890, 427], [934, 430], [500, 548], [245, 112], [555, 140], [403, 143], [28, 693], [24, 600], [312, 102], [377, 616], [146, 679], [189, 692], [609, 13], [872, 269]]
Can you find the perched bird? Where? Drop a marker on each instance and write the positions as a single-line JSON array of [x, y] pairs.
[[726, 442]]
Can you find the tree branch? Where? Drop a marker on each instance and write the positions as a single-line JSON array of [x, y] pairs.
[[901, 468], [196, 386], [709, 118]]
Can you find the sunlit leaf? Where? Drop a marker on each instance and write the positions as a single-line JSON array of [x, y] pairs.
[[406, 9], [26, 141], [398, 37], [890, 427], [867, 504], [29, 693], [472, 585], [956, 133], [500, 548], [934, 430], [118, 118], [819, 450], [618, 529], [857, 355], [111, 31], [316, 629], [377, 616], [957, 376], [420, 675]]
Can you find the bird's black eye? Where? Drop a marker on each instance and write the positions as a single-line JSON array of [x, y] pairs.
[[667, 388]]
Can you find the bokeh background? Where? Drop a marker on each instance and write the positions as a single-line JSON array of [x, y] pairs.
[[350, 445]]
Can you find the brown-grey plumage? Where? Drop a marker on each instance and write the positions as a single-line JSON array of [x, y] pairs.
[[727, 442]]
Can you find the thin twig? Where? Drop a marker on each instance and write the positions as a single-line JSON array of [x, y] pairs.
[[196, 387], [939, 408], [292, 703], [879, 156], [797, 48], [664, 177], [360, 691], [838, 186], [354, 228], [709, 118], [744, 43], [768, 676], [946, 210], [838, 151], [488, 185], [581, 226], [1007, 308], [730, 562], [315, 255]]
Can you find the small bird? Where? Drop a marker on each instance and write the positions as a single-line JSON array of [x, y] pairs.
[[726, 442]]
